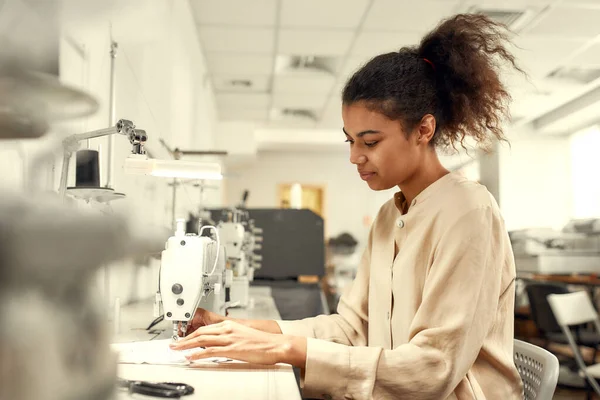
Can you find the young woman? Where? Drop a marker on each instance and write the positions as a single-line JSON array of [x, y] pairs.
[[430, 313]]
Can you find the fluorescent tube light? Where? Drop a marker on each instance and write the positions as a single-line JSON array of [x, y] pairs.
[[141, 164]]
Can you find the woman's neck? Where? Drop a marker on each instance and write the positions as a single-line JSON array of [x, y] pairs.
[[431, 171]]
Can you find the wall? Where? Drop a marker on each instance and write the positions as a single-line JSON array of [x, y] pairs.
[[350, 204], [535, 180], [160, 86], [584, 173]]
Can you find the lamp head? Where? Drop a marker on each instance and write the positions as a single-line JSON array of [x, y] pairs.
[[142, 165]]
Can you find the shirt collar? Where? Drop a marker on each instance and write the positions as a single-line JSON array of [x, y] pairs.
[[400, 200]]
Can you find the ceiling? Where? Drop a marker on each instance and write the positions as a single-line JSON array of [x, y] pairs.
[[283, 63]]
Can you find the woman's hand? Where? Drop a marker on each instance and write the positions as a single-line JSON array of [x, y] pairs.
[[233, 340], [203, 317]]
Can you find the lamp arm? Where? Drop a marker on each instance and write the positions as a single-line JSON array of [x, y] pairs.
[[122, 127], [137, 138]]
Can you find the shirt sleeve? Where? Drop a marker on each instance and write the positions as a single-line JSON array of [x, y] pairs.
[[459, 305], [349, 326]]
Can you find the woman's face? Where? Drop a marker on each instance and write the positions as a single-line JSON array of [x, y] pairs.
[[383, 154]]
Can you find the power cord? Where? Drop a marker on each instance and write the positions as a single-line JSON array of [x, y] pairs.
[[156, 322]]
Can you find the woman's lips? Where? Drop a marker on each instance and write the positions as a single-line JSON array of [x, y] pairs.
[[365, 176]]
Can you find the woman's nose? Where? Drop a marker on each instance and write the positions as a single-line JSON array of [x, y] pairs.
[[357, 158]]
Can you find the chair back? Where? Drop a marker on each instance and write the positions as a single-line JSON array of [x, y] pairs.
[[572, 308], [538, 369]]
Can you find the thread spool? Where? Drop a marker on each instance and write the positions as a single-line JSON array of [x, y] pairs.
[[87, 170]]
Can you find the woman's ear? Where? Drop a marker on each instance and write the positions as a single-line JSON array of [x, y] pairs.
[[426, 128]]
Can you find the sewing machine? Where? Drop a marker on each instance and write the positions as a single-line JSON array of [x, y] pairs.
[[240, 244], [192, 275]]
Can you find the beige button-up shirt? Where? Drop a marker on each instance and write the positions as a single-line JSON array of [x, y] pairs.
[[433, 322]]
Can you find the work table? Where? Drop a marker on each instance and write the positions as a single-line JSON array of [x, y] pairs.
[[218, 381]]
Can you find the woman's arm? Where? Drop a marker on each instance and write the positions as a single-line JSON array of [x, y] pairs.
[[269, 326], [205, 318]]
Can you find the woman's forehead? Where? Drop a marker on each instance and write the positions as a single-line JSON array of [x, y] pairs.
[[358, 118]]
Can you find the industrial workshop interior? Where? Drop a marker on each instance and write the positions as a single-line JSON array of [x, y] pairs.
[[299, 199]]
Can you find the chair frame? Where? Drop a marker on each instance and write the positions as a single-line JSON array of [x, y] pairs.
[[566, 328]]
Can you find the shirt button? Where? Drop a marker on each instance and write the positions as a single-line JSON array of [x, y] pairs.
[[387, 316], [400, 223], [414, 202]]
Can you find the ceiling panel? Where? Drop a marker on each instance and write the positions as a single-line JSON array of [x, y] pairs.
[[374, 43], [315, 42], [242, 114], [304, 101], [590, 57], [327, 123], [568, 22], [584, 3], [505, 4], [336, 94], [539, 96], [241, 83], [322, 13], [241, 40], [540, 55], [297, 123], [415, 16], [229, 64], [243, 100], [332, 116], [528, 104], [235, 12], [352, 65], [305, 84]]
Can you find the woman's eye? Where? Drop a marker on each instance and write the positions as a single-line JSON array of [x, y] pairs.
[[370, 144], [349, 141]]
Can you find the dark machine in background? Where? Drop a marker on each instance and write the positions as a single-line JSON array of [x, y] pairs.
[[293, 243], [293, 247]]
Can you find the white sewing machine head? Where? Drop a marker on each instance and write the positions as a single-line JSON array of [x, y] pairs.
[[233, 237], [192, 275], [240, 244]]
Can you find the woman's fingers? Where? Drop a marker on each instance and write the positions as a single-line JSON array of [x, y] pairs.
[[210, 352], [216, 329], [201, 341], [201, 317], [205, 336]]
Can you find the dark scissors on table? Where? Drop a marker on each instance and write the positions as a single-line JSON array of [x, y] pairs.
[[163, 389]]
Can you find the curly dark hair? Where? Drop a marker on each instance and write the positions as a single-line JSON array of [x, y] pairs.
[[453, 75]]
